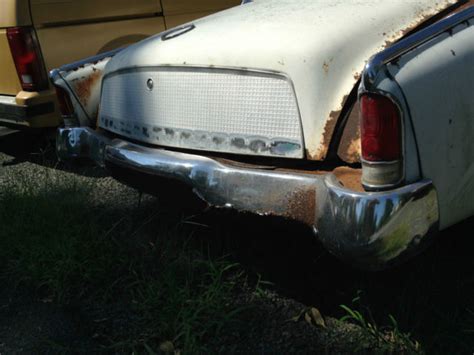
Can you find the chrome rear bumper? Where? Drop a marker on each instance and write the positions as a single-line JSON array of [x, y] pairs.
[[370, 230]]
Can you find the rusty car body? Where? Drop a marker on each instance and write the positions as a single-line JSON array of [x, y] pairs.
[[39, 35], [334, 114]]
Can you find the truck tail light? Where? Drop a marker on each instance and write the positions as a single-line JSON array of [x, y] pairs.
[[27, 57], [381, 140]]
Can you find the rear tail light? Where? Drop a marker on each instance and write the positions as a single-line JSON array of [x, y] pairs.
[[380, 129], [65, 104], [66, 107], [381, 140], [27, 57]]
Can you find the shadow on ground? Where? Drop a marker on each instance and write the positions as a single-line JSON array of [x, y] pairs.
[[430, 296], [37, 147]]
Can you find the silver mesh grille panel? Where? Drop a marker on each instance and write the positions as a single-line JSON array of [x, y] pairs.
[[227, 111]]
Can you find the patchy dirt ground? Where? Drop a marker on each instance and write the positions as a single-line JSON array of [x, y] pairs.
[[29, 325], [32, 323], [423, 295]]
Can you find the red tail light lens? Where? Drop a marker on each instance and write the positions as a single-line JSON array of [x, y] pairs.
[[65, 104], [27, 57], [380, 129]]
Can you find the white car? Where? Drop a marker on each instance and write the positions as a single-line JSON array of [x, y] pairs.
[[256, 108]]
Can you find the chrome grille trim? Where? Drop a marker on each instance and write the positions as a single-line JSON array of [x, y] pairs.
[[224, 110]]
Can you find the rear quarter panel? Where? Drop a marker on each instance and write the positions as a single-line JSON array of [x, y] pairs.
[[437, 80]]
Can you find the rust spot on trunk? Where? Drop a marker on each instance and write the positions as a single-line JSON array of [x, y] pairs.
[[423, 19], [351, 149], [83, 87], [326, 65], [328, 132], [302, 206]]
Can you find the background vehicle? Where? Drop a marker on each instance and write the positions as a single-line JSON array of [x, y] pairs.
[[38, 35], [263, 118]]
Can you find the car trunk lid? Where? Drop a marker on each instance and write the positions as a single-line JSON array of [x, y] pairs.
[[320, 47]]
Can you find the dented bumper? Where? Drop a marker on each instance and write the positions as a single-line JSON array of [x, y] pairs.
[[369, 230]]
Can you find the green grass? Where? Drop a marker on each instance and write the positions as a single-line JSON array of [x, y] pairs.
[[169, 276], [54, 241], [431, 297], [389, 338]]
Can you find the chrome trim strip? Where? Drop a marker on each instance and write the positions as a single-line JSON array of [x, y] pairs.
[[376, 63], [54, 73], [375, 163], [177, 31], [381, 168], [367, 229], [210, 68]]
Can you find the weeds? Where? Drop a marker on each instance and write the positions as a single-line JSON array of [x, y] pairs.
[[59, 238], [389, 337], [56, 241]]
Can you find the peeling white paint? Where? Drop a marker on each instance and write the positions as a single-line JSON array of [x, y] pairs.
[[318, 44], [438, 82]]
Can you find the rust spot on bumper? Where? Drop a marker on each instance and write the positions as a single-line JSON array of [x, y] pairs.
[[349, 178], [302, 206]]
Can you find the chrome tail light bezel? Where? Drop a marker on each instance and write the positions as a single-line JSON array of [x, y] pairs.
[[384, 175]]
